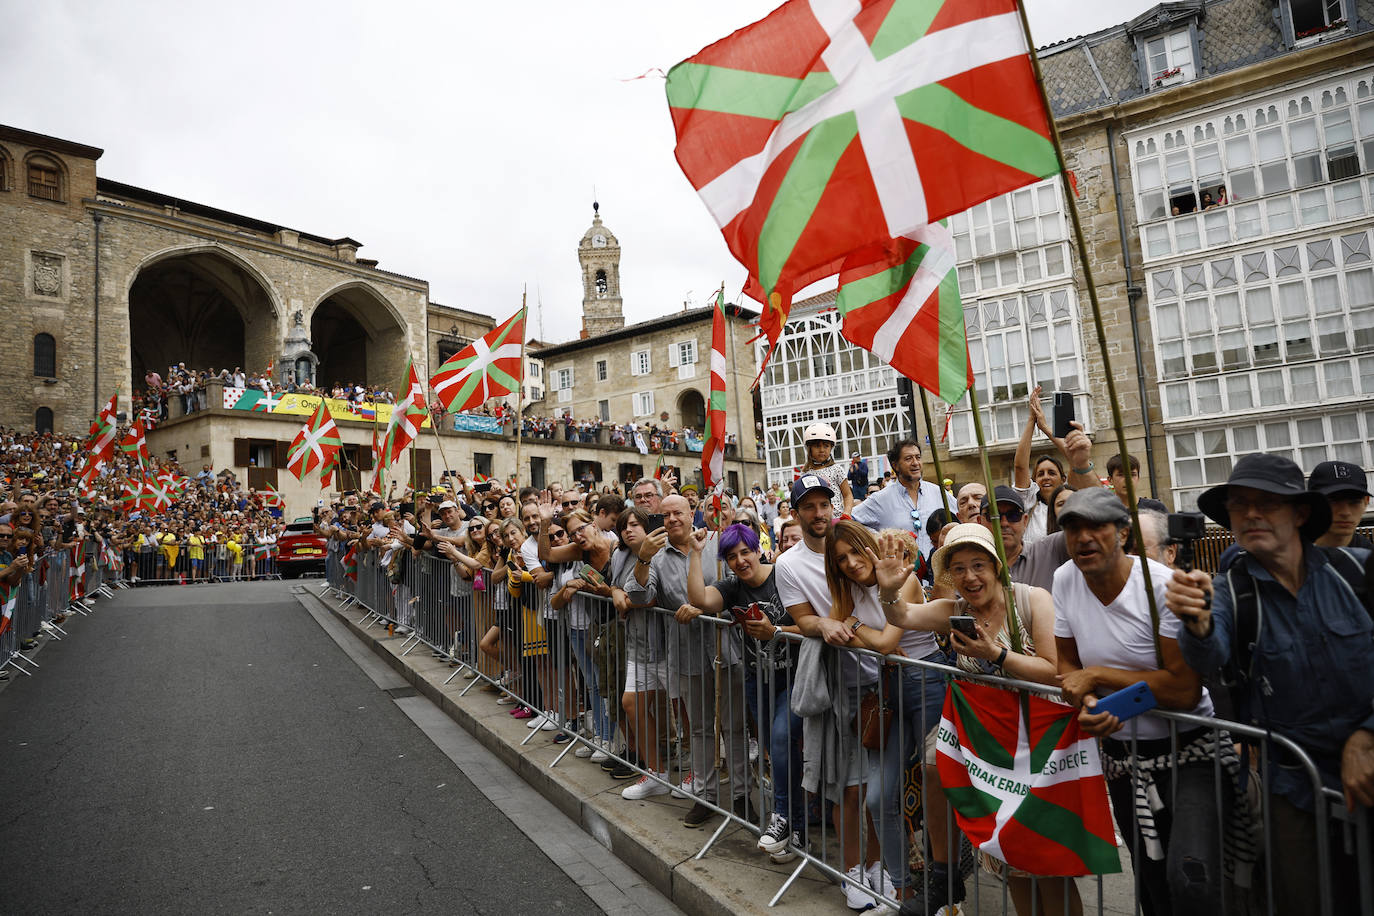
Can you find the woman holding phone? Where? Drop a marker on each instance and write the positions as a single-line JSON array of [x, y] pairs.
[[977, 623]]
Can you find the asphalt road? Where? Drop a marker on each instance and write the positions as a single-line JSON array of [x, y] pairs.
[[209, 749]]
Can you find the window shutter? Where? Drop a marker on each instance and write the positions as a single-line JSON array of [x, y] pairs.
[[362, 457], [672, 355], [423, 474], [279, 450], [240, 453]]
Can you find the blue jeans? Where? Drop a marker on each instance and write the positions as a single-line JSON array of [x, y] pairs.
[[780, 733], [917, 696], [582, 652]]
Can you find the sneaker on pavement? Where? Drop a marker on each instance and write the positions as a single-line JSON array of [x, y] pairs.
[[855, 887], [934, 896], [789, 852], [699, 814], [534, 721], [624, 771], [547, 725], [646, 787], [601, 754], [775, 837], [688, 788], [880, 880], [583, 750]]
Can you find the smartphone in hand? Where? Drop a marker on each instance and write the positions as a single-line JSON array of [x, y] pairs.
[[1063, 414], [655, 522], [965, 625], [1128, 702]]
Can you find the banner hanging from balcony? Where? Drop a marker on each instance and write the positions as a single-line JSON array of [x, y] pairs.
[[305, 405]]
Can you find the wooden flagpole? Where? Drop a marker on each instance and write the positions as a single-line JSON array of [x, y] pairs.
[[439, 442], [1086, 264], [520, 392]]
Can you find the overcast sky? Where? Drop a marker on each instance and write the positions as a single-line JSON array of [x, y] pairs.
[[460, 142]]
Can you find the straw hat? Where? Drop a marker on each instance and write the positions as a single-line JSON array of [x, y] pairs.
[[969, 534]]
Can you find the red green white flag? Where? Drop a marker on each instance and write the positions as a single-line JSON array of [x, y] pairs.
[[271, 498], [135, 445], [830, 126], [905, 309], [1025, 781], [488, 367], [408, 415], [315, 445], [713, 447]]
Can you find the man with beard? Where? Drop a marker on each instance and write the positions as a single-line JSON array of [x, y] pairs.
[[908, 503]]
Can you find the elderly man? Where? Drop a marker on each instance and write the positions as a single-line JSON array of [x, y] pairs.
[[1108, 642], [648, 495], [1303, 668], [660, 578], [970, 498], [908, 503]]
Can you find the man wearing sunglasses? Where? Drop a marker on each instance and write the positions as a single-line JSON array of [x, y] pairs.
[[1034, 564]]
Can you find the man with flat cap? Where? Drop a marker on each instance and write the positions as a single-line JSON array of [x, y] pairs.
[[1289, 622]]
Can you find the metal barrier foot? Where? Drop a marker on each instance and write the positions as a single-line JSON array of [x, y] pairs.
[[791, 879], [53, 629], [76, 607], [725, 822], [18, 667]]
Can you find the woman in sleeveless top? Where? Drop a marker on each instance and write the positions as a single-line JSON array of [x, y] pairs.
[[967, 562]]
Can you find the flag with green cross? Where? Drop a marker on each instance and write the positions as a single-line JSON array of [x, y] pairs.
[[834, 126], [1025, 781]]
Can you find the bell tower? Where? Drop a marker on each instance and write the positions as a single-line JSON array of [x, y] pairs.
[[599, 255]]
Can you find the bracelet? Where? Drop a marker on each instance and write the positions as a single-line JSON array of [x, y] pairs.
[[896, 600], [1085, 470], [1001, 659]]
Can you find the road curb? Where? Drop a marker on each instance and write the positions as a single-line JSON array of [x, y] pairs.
[[732, 878]]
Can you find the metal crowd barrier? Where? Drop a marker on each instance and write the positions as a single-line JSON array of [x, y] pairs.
[[47, 593], [172, 564], [724, 735]]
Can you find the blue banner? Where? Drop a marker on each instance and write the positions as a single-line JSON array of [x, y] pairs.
[[693, 443], [476, 423]]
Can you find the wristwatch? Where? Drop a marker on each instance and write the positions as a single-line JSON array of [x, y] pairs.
[[854, 627]]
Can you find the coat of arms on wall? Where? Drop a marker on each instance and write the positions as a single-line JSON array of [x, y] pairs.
[[47, 274]]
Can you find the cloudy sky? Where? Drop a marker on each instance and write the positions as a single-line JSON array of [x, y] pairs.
[[460, 142]]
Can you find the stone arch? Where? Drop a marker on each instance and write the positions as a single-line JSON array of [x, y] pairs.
[[204, 305], [359, 336], [6, 169], [691, 410]]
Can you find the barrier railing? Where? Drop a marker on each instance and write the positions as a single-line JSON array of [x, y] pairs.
[[180, 562], [699, 710], [59, 583]]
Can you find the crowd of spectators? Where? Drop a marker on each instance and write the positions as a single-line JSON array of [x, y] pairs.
[[188, 387]]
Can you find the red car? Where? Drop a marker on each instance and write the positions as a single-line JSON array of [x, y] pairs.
[[300, 549]]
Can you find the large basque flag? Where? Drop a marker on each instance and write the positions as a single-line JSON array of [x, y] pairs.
[[833, 125], [486, 368], [1025, 782]]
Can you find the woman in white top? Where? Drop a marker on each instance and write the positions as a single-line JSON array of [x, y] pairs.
[[967, 564]]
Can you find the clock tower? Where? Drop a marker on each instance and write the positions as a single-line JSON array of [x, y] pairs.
[[599, 255]]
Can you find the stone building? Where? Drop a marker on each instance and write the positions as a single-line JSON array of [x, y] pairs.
[[101, 281], [1236, 328], [655, 372]]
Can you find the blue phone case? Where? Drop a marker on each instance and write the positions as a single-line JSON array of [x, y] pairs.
[[1128, 702]]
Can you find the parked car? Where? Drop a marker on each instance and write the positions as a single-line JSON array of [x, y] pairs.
[[300, 549]]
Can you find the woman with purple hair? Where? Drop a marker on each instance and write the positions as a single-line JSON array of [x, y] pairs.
[[749, 595]]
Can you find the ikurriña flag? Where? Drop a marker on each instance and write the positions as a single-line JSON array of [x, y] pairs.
[[901, 303], [486, 368], [315, 445], [829, 126], [713, 445], [1026, 782]]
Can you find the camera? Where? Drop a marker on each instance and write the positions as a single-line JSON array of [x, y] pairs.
[[1185, 529]]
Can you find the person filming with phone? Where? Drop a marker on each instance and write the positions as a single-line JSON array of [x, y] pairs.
[[1290, 624], [1107, 643]]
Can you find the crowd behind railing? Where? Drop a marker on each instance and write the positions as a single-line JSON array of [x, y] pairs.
[[798, 688], [188, 388]]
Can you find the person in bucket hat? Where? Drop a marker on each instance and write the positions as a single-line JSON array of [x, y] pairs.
[[1289, 623]]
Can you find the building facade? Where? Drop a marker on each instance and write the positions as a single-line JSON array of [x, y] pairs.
[[1233, 326]]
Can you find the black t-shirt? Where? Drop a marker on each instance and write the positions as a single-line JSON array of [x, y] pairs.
[[777, 654]]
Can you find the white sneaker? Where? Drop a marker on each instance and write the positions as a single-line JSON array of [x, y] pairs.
[[646, 787], [583, 750], [535, 722], [880, 880], [602, 751], [856, 893], [548, 724], [688, 788]]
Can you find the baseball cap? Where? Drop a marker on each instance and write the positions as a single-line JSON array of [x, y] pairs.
[[1269, 474], [1332, 478], [376, 506], [447, 504], [1004, 495], [808, 482], [1094, 505]]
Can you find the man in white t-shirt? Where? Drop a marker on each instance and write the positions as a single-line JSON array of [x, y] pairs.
[[1106, 643]]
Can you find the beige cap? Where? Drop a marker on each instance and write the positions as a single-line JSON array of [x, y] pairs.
[[969, 534]]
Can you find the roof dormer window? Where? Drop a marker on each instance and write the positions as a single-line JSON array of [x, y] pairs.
[[1313, 18], [1169, 59]]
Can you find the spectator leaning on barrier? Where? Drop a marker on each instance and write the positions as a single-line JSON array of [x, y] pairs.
[[1305, 610], [1163, 798], [907, 503]]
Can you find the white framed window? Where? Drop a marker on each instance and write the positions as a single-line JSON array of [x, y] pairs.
[[563, 378], [1169, 59], [1023, 219], [683, 352], [536, 394], [1314, 18], [640, 362], [536, 369], [601, 370], [644, 403], [603, 410]]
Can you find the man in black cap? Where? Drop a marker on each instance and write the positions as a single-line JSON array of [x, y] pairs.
[[1031, 565], [1304, 667], [1346, 489]]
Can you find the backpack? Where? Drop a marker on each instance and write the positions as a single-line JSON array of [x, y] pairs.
[[1247, 627]]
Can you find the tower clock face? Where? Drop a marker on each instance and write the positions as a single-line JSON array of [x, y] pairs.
[[598, 241]]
